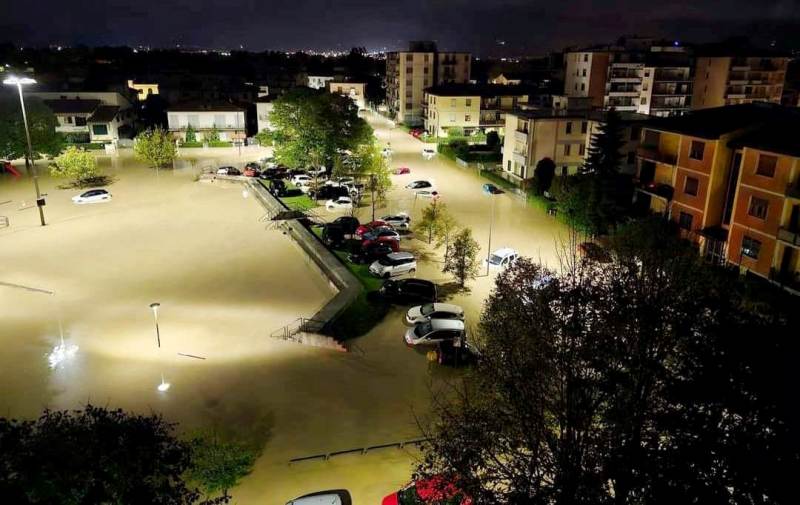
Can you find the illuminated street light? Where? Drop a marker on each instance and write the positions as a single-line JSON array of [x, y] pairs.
[[155, 306], [164, 386], [29, 164]]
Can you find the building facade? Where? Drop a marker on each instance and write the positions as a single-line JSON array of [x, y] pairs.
[[563, 136], [353, 90], [730, 178], [319, 81], [99, 117], [228, 120], [731, 80], [409, 73], [470, 107]]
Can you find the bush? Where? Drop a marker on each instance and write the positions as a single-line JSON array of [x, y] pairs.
[[192, 144], [219, 143], [455, 131]]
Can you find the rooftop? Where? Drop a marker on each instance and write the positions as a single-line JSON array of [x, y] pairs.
[[483, 90], [779, 137], [589, 114], [75, 106], [104, 114], [713, 123]]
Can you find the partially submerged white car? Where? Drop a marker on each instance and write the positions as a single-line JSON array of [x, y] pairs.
[[435, 331], [341, 203], [332, 497], [424, 313], [92, 196], [428, 153], [502, 258]]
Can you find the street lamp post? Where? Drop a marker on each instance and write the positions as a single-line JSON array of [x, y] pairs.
[[491, 224], [29, 164], [155, 306]]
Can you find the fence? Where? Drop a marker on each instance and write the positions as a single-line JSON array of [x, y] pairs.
[[358, 450]]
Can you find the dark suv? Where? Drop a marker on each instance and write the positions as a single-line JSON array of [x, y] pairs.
[[408, 291]]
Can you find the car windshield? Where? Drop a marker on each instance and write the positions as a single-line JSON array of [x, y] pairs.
[[426, 309], [387, 262], [495, 259], [423, 329]]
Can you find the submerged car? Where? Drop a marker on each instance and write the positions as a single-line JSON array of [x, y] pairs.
[[408, 291], [382, 234], [421, 184], [402, 171], [394, 264], [92, 196], [427, 193], [428, 153], [332, 497], [371, 253], [228, 171], [341, 203], [502, 258], [435, 331], [400, 221], [431, 490], [426, 312], [491, 189]]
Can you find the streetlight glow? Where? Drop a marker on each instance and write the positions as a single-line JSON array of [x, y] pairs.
[[15, 81]]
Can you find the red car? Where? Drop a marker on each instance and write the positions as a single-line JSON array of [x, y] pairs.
[[402, 170], [416, 132], [382, 235], [368, 227], [433, 490]]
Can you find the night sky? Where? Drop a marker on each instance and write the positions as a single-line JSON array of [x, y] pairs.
[[526, 26]]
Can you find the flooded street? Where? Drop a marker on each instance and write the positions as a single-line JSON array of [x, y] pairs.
[[225, 282]]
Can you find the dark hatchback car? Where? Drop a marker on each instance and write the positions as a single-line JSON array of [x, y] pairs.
[[370, 254], [328, 193], [407, 291], [348, 224]]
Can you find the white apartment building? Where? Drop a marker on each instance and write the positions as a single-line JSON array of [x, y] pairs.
[[471, 107], [102, 116], [264, 105], [353, 90], [227, 118]]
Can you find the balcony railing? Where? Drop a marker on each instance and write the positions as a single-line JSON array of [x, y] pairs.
[[656, 189], [789, 236], [652, 153], [793, 190]]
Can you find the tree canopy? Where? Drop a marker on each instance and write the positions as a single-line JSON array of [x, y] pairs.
[[41, 124], [76, 164], [461, 258], [631, 382], [313, 127], [155, 147]]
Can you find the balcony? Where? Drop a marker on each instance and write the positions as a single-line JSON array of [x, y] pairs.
[[791, 237], [657, 189], [652, 153], [793, 190]]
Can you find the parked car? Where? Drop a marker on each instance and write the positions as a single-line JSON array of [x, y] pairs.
[[252, 170], [426, 312], [368, 227], [491, 189], [387, 152], [327, 192], [382, 234], [228, 171], [341, 203], [348, 224], [273, 173], [435, 331], [394, 264], [277, 187], [317, 172], [421, 184], [427, 193], [402, 171], [332, 497], [400, 221], [428, 153], [341, 181], [456, 353], [408, 291], [502, 258], [416, 132], [92, 196], [431, 490], [371, 253], [296, 179]]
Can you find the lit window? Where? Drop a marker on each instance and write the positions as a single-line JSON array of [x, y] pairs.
[[750, 247], [758, 207], [690, 186], [696, 150], [766, 165]]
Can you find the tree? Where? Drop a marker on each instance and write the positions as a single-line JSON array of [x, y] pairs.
[[543, 175], [76, 164], [444, 228], [94, 455], [368, 164], [191, 135], [627, 382], [313, 128], [155, 147], [264, 138], [493, 140], [462, 258], [431, 215], [41, 124], [212, 135], [218, 465]]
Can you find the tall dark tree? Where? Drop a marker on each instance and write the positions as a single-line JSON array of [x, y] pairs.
[[94, 455], [543, 175], [41, 123]]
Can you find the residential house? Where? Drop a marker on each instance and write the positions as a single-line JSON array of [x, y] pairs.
[[319, 81], [561, 135], [471, 107], [352, 90], [730, 177], [143, 90], [98, 117], [227, 118], [409, 73], [506, 79]]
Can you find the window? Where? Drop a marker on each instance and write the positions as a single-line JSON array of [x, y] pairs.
[[750, 247], [569, 127], [452, 102], [567, 149], [758, 207], [80, 121], [509, 165], [583, 86], [576, 86], [425, 71], [584, 126], [469, 102], [100, 129], [643, 101], [584, 72], [564, 171], [585, 57], [766, 165], [467, 118], [582, 149], [68, 119], [690, 186], [409, 57], [696, 150], [452, 118], [219, 120], [685, 221]]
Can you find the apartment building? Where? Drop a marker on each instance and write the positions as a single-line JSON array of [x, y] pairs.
[[409, 73], [319, 81], [227, 118], [353, 90], [471, 107], [730, 80], [656, 80], [101, 116], [730, 177], [561, 135]]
